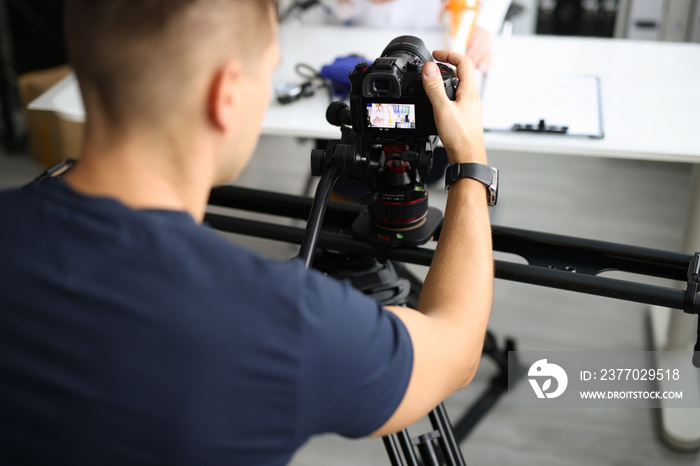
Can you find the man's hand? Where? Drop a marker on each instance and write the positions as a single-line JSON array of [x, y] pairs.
[[459, 122], [479, 49]]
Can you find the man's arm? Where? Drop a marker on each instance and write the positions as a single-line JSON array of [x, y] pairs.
[[448, 332]]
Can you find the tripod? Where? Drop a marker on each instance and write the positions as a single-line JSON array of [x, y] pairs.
[[391, 285]]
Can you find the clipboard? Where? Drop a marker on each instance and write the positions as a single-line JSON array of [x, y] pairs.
[[542, 103]]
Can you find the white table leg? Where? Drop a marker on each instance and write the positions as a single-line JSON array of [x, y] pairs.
[[673, 330]]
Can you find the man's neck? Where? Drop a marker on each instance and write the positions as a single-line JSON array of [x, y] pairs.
[[142, 177]]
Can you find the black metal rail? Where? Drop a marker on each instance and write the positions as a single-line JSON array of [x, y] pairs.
[[554, 261]]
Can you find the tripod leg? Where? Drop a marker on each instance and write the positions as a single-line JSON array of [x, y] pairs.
[[407, 448], [404, 440], [392, 450], [435, 448], [448, 443], [427, 452]]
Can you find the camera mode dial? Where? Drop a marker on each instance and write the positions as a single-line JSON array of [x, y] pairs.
[[414, 66], [362, 66]]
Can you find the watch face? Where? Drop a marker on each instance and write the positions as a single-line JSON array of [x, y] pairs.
[[492, 189], [452, 173]]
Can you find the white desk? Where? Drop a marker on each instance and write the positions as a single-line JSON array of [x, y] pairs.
[[650, 91], [650, 97]]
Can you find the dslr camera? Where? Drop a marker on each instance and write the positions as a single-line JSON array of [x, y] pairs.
[[387, 98], [388, 135]]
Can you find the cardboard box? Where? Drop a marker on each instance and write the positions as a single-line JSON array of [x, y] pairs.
[[51, 138]]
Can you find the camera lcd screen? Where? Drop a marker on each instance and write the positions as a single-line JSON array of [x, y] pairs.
[[382, 115]]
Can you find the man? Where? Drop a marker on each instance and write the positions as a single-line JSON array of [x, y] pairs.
[[131, 335]]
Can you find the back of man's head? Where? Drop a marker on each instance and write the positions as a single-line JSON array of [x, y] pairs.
[[137, 60]]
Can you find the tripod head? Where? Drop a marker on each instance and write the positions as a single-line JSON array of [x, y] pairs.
[[393, 170]]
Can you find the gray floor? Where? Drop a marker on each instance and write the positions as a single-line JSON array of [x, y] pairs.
[[640, 203]]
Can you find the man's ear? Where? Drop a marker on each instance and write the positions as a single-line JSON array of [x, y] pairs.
[[224, 95]]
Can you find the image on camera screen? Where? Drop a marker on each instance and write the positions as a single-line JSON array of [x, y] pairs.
[[394, 116]]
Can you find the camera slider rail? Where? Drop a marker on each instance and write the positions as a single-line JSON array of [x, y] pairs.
[[554, 261]]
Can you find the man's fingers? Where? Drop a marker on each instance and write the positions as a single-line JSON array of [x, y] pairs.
[[465, 70], [434, 85]]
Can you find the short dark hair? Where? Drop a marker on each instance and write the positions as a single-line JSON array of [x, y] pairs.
[[130, 55]]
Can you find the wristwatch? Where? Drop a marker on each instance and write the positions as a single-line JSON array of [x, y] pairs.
[[477, 171]]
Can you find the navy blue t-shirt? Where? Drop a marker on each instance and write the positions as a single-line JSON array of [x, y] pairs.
[[139, 337]]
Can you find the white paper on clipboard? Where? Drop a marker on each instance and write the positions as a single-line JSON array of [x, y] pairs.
[[571, 100]]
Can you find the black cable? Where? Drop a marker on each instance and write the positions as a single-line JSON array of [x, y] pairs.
[[313, 76], [298, 5]]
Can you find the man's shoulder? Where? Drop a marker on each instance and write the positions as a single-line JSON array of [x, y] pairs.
[[9, 196], [59, 221]]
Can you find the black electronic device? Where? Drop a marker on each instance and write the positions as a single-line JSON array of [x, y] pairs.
[[388, 136], [387, 98]]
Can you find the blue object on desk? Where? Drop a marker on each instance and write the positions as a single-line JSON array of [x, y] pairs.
[[338, 73]]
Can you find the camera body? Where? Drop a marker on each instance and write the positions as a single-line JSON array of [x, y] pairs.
[[387, 100], [388, 135]]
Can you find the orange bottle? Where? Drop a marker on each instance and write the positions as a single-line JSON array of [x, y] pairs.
[[459, 19]]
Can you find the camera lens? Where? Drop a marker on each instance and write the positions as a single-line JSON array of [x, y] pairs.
[[410, 47]]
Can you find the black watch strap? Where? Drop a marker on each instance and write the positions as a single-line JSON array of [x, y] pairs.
[[477, 171]]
